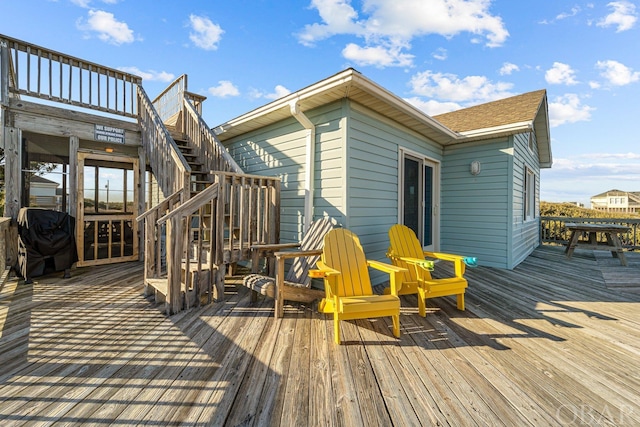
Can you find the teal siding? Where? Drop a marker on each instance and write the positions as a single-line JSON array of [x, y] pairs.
[[525, 234], [475, 209], [279, 150], [372, 177], [356, 182]]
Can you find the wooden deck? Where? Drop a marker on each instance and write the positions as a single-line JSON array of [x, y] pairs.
[[554, 342]]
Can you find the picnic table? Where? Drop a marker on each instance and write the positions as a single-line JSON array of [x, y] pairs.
[[611, 232]]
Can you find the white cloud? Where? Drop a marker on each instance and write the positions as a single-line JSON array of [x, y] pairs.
[[378, 56], [108, 28], [582, 176], [432, 107], [338, 18], [278, 92], [81, 3], [617, 156], [449, 87], [568, 109], [224, 89], [574, 11], [616, 73], [393, 24], [508, 68], [440, 54], [151, 75], [560, 74], [624, 16], [205, 34]]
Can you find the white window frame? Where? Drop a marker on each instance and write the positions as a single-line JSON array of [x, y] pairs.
[[436, 165], [529, 194]]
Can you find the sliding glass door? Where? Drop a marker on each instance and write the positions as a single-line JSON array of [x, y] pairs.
[[419, 198]]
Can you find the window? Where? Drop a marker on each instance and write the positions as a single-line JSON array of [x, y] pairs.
[[531, 142], [529, 194]]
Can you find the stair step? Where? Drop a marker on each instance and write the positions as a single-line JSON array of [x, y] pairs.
[[159, 285]]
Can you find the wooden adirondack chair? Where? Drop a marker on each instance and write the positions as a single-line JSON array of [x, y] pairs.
[[349, 295], [296, 285], [406, 251]]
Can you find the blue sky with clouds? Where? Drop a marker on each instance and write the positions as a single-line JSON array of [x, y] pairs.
[[440, 55]]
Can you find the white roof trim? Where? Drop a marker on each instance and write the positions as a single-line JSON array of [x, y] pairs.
[[346, 79], [499, 130]]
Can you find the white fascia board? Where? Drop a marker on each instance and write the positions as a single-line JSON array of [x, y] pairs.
[[404, 106], [331, 82], [509, 129]]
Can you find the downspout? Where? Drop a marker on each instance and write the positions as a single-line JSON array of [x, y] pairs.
[[309, 162]]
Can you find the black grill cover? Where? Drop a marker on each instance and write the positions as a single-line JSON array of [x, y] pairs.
[[46, 239]]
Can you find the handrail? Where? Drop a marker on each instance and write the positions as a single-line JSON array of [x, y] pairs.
[[169, 165], [195, 99], [167, 204], [211, 153], [553, 229], [53, 76], [192, 205], [169, 101], [217, 226]]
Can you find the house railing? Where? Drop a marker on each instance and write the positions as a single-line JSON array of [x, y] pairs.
[[554, 230], [155, 259], [211, 152], [169, 102], [167, 162], [42, 73], [214, 228]]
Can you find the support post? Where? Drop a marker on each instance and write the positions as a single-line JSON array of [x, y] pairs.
[[12, 171], [74, 144]]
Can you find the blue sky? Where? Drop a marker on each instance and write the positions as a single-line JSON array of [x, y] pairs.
[[440, 55]]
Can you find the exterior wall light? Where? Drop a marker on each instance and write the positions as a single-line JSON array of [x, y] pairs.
[[474, 168]]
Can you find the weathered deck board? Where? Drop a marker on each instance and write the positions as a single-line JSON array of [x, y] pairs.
[[553, 342]]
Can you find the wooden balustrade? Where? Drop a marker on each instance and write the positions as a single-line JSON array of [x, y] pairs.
[[205, 234], [155, 260], [212, 153], [169, 165], [43, 73], [554, 230], [169, 101]]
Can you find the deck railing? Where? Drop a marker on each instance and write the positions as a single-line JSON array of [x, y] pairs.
[[554, 230], [43, 73], [211, 153], [167, 162], [169, 102], [155, 257], [204, 234]]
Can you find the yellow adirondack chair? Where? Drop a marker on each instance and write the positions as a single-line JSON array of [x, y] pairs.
[[348, 286], [296, 285], [406, 251]]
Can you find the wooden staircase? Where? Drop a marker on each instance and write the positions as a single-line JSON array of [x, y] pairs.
[[210, 221]]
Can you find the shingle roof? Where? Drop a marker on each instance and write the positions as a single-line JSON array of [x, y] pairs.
[[42, 180], [516, 109]]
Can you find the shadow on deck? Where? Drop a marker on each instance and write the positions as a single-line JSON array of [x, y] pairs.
[[553, 342]]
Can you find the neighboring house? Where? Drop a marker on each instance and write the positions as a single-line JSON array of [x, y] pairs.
[[43, 193], [617, 201], [345, 147]]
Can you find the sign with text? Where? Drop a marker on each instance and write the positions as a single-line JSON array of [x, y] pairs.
[[109, 134]]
